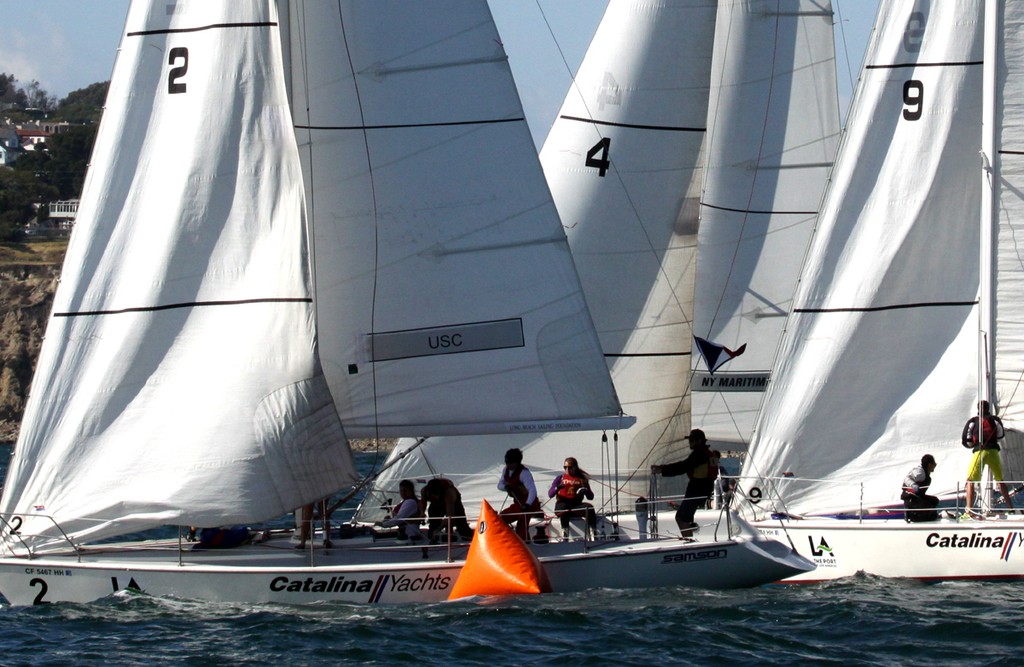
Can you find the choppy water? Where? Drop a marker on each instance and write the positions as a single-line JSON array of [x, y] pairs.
[[857, 622], [861, 621]]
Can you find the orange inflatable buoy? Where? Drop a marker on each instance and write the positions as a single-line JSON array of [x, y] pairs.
[[498, 562]]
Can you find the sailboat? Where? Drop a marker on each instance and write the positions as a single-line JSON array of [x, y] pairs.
[[304, 222], [636, 163], [901, 325]]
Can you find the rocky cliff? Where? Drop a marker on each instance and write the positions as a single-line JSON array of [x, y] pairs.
[[28, 278]]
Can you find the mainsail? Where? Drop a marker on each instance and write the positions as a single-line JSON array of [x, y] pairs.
[[626, 160], [332, 215], [879, 363], [447, 300]]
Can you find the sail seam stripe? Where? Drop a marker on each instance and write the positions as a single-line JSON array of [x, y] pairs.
[[609, 355], [636, 126], [966, 63], [747, 210], [901, 306], [407, 125], [214, 26], [173, 306]]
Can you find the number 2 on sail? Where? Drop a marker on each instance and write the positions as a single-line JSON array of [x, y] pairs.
[[174, 85]]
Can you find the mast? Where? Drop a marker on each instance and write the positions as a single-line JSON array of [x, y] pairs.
[[989, 177]]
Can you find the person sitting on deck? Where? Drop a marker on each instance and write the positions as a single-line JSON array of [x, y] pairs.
[[570, 489], [517, 480], [405, 515], [919, 505]]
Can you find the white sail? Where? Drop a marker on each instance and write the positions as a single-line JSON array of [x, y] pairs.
[[446, 295], [772, 135], [1008, 158], [879, 362], [625, 163], [179, 371]]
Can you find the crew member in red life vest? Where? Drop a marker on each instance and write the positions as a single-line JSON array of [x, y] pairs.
[[517, 481], [986, 453], [701, 466], [920, 506], [570, 489]]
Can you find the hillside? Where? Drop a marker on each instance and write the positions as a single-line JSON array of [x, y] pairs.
[[28, 278]]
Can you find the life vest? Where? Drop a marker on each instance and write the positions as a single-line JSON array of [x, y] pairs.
[[989, 433], [515, 488], [708, 470], [570, 485]]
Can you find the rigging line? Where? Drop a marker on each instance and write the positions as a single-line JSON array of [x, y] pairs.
[[376, 214], [613, 167], [629, 201], [212, 26], [178, 306], [846, 49], [899, 306], [310, 200], [754, 181]]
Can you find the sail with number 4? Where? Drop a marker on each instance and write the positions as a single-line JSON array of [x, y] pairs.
[[627, 160], [293, 233]]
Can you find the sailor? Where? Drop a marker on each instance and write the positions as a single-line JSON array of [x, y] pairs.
[[701, 466], [570, 489], [406, 513], [517, 481], [919, 505], [440, 499], [986, 453]]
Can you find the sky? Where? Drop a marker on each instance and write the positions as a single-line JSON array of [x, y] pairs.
[[69, 44]]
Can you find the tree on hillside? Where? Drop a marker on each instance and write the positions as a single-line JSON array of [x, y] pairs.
[[10, 93], [19, 190], [83, 106], [64, 162]]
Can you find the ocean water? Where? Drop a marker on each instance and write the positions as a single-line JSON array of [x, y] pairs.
[[859, 621]]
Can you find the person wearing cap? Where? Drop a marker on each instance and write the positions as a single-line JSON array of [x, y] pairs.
[[701, 466], [919, 505]]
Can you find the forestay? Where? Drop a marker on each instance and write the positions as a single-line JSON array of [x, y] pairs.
[[447, 298], [879, 363], [771, 144], [178, 381]]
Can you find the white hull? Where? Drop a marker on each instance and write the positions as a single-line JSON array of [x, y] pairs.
[[361, 571], [935, 551]]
